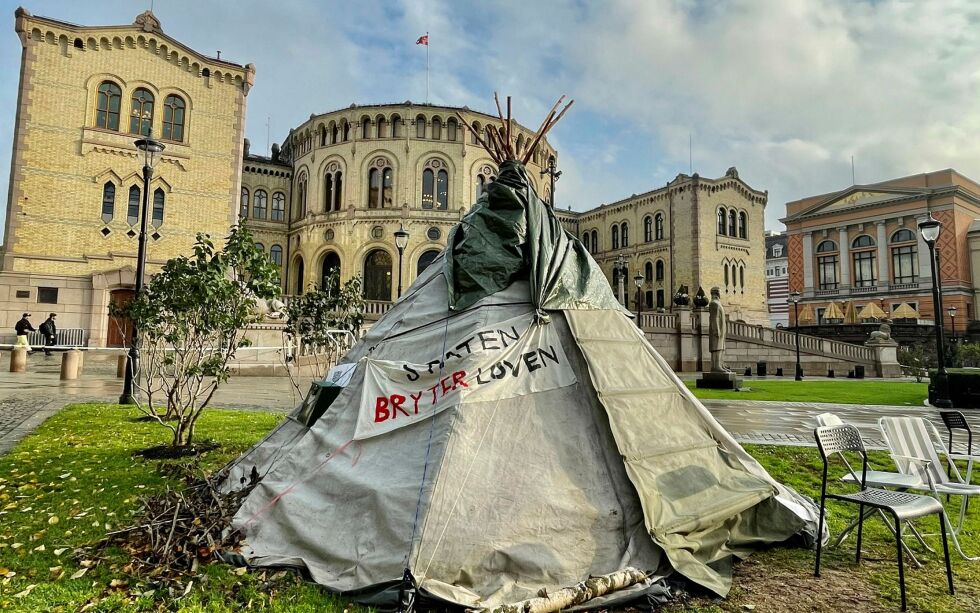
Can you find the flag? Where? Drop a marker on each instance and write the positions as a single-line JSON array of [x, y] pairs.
[[423, 40]]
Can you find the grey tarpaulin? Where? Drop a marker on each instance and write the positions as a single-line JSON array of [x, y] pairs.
[[489, 501]]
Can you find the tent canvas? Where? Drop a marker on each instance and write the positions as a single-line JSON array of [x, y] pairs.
[[530, 437]]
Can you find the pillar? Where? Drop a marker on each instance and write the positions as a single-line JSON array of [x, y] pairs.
[[808, 283], [18, 360], [883, 260], [70, 361], [688, 348], [845, 258]]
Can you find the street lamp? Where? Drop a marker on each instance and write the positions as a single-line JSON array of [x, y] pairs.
[[638, 279], [401, 241], [952, 322], [555, 175], [795, 299], [620, 273], [930, 233], [151, 150]]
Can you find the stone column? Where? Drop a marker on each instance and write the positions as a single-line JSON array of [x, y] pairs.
[[883, 260], [925, 268], [845, 258], [687, 347], [808, 284]]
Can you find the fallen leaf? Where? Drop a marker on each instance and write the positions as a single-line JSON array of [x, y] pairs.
[[60, 551], [53, 519], [241, 570], [26, 591], [79, 574]]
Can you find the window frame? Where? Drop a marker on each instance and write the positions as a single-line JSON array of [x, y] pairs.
[[143, 125], [170, 108], [105, 115]]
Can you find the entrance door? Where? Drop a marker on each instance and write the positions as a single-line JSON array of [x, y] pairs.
[[120, 328]]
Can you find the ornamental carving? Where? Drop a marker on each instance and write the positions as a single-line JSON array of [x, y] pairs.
[[380, 162]]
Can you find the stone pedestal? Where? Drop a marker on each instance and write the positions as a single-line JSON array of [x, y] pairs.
[[719, 381], [70, 361], [121, 366], [18, 360]]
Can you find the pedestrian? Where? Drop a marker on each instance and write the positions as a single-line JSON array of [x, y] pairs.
[[22, 327], [50, 332]]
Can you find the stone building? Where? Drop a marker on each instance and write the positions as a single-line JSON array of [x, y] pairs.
[[777, 278], [863, 244], [346, 180], [73, 204], [694, 231]]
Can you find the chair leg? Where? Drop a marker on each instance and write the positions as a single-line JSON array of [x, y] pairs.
[[949, 568], [816, 568], [857, 555], [901, 560]]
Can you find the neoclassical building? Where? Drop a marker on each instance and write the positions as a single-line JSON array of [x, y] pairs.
[[345, 181]]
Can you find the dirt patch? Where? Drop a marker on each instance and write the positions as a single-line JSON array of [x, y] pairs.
[[166, 452]]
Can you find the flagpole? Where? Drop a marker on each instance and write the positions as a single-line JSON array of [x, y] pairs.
[[426, 67]]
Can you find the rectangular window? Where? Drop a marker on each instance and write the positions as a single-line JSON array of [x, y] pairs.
[[23, 293], [47, 295], [827, 271], [865, 274], [905, 264]]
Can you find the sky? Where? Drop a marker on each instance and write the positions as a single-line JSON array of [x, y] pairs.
[[787, 91]]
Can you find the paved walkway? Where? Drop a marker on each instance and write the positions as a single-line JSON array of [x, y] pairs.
[[27, 399]]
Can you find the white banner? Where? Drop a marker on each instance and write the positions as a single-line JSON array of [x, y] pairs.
[[504, 360]]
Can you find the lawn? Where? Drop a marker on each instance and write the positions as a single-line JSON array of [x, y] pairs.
[[848, 391], [71, 482]]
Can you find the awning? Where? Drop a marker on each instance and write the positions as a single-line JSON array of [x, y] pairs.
[[873, 311], [833, 312], [806, 314], [905, 311], [850, 313]]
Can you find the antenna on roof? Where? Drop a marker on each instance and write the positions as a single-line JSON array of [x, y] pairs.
[[219, 54], [853, 180], [268, 122]]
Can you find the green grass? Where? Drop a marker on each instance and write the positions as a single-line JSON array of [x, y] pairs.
[[79, 468], [900, 393]]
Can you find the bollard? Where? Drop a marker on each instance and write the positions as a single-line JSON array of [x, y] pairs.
[[18, 360], [121, 366], [81, 361], [779, 372], [69, 364]]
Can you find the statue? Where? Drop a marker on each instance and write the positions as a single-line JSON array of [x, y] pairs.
[[269, 309], [881, 336], [716, 332]]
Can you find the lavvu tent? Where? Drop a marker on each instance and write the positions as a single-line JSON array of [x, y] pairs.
[[502, 429]]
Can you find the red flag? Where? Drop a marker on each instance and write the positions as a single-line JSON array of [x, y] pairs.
[[423, 40]]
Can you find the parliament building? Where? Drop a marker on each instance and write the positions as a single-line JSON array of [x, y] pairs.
[[331, 197]]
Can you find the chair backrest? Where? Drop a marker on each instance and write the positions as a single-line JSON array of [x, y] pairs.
[[837, 440], [914, 437], [829, 419], [955, 420]]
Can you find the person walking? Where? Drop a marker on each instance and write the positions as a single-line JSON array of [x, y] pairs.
[[50, 332], [22, 327]]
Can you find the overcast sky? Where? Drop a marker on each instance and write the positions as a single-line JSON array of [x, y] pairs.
[[785, 90]]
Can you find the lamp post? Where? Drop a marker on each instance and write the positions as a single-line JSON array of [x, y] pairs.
[[952, 322], [555, 175], [930, 233], [151, 150], [795, 299], [401, 241], [638, 279], [621, 278]]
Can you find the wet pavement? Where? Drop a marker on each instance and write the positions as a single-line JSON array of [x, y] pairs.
[[26, 399]]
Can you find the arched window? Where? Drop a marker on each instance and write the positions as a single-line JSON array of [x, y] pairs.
[[732, 223], [331, 263], [377, 275], [743, 222], [595, 241], [328, 192], [133, 210], [451, 126], [864, 259], [827, 263], [141, 112], [158, 201], [243, 204], [260, 247], [648, 272], [520, 144], [275, 255], [725, 267], [585, 240], [345, 128], [442, 189], [397, 126], [334, 133], [380, 187], [624, 234], [436, 128], [647, 229], [734, 278], [108, 202], [660, 271], [300, 285], [107, 109], [615, 237], [382, 126], [301, 183], [659, 226], [481, 185], [333, 190], [260, 203], [484, 179], [905, 257], [365, 127], [741, 277], [474, 133], [425, 259], [173, 118], [428, 188], [323, 136], [420, 126], [722, 221], [278, 206]]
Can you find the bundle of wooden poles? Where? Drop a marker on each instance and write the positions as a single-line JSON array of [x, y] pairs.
[[501, 142]]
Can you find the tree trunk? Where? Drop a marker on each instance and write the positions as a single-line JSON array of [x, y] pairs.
[[567, 597]]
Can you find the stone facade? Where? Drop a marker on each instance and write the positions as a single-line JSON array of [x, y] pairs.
[[862, 244], [777, 278], [70, 236], [675, 237]]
